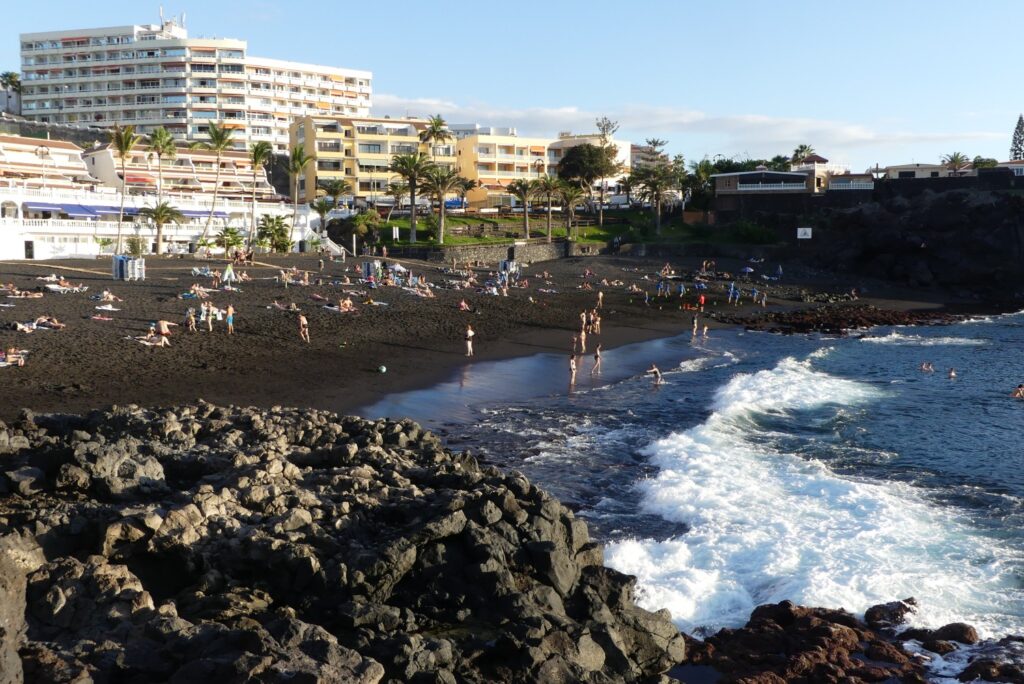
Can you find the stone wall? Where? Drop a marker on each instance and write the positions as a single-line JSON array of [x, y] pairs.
[[525, 253]]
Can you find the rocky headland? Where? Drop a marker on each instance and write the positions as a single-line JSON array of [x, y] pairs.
[[212, 544], [832, 318]]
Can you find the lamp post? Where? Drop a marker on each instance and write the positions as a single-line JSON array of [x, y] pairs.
[[42, 153]]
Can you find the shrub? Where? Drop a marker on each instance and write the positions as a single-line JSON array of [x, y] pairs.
[[751, 233]]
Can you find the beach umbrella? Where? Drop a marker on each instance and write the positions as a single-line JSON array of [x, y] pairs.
[[747, 269]]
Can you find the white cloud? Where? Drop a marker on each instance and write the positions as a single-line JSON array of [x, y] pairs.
[[697, 133]]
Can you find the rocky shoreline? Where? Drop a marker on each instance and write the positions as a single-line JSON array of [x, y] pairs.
[[833, 319], [204, 543]]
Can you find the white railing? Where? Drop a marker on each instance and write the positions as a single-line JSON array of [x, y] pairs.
[[851, 185], [128, 228], [762, 187], [134, 200]]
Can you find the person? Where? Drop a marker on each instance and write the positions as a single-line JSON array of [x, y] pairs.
[[653, 370], [693, 320], [321, 265], [583, 340], [164, 328], [600, 299], [701, 301], [230, 319], [209, 316], [464, 306], [469, 340], [1018, 393], [926, 367], [572, 369], [190, 319], [14, 357], [952, 373], [303, 328], [597, 361], [705, 331]]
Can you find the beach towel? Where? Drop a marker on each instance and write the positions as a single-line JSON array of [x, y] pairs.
[[100, 317], [8, 306], [65, 290], [204, 271], [107, 307], [50, 278]]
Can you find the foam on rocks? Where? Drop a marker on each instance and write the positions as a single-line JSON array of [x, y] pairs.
[[203, 543]]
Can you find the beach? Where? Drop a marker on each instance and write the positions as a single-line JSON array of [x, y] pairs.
[[94, 363]]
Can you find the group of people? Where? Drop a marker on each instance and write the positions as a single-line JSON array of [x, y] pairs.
[[928, 367]]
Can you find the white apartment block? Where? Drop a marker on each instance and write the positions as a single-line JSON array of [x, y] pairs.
[[155, 75]]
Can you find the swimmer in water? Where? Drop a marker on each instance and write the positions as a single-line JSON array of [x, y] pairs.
[[653, 370], [1018, 393], [952, 373], [926, 367]]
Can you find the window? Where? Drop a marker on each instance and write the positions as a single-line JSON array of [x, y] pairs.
[[934, 174], [906, 174], [370, 148]]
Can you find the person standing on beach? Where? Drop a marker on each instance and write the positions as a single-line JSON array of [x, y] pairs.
[[209, 316], [583, 341], [572, 369], [303, 328], [190, 319], [701, 301], [597, 361], [469, 340], [600, 299], [230, 319], [653, 370], [693, 320]]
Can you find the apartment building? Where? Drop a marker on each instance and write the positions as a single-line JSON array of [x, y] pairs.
[[155, 75], [646, 155], [38, 163], [360, 151], [190, 172], [496, 157]]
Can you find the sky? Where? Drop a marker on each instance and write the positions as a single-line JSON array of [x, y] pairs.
[[865, 83]]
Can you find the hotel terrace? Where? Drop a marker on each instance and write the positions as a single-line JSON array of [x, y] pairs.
[[155, 75], [360, 151], [52, 206]]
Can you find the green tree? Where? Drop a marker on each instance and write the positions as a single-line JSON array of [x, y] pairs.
[[322, 206], [161, 146], [10, 81], [779, 162], [219, 142], [336, 188], [275, 232], [606, 128], [124, 141], [161, 214], [628, 184], [980, 162], [801, 152], [260, 154], [523, 190], [1017, 143], [297, 163], [440, 183], [548, 187], [571, 195], [582, 166], [955, 162], [229, 239], [412, 168], [396, 191], [655, 183], [436, 133], [467, 186]]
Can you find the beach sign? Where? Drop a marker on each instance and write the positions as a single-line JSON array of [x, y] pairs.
[[803, 233]]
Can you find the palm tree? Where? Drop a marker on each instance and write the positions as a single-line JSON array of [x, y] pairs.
[[548, 186], [655, 183], [523, 190], [436, 132], [322, 207], [801, 152], [274, 232], [161, 144], [396, 191], [124, 141], [411, 167], [161, 214], [440, 183], [296, 166], [955, 162], [220, 140], [10, 81], [628, 183], [229, 239], [467, 186], [336, 188], [260, 154], [571, 195]]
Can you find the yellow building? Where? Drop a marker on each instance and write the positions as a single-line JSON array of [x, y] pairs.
[[494, 161], [360, 150]]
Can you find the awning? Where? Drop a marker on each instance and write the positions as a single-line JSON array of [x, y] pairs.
[[128, 211], [140, 179], [535, 148], [192, 213], [77, 211], [42, 206]]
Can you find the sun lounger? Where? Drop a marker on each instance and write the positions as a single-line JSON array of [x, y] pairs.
[[50, 278]]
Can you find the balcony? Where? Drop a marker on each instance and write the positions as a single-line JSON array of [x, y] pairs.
[[851, 185]]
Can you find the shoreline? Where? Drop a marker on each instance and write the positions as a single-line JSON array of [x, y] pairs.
[[91, 364]]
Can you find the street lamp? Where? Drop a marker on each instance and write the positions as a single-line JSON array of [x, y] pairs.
[[43, 153]]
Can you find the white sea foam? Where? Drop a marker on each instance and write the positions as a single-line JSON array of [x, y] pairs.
[[900, 339], [706, 362], [768, 526]]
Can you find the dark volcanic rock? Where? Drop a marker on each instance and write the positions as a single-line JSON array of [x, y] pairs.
[[833, 319], [789, 643], [208, 544]]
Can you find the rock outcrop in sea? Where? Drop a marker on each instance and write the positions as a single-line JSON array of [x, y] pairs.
[[220, 544]]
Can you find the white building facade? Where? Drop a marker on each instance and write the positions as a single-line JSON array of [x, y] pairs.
[[155, 75]]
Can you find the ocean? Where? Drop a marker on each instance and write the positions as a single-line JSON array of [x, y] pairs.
[[827, 471]]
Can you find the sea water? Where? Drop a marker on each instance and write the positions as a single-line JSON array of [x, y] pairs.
[[830, 472]]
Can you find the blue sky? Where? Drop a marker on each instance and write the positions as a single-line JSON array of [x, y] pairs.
[[864, 82]]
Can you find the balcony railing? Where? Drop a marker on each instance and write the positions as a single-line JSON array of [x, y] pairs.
[[851, 185], [769, 187]]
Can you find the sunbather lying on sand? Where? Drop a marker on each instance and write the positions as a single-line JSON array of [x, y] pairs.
[[23, 294], [13, 357], [49, 322]]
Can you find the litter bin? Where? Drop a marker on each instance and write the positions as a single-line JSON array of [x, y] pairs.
[[192, 247], [303, 246]]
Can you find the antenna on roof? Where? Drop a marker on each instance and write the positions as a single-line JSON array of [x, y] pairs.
[[182, 20], [161, 16]]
